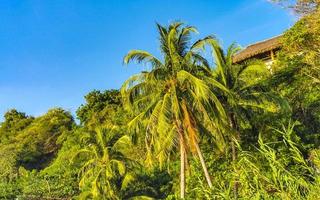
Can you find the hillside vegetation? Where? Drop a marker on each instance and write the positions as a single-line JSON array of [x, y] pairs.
[[184, 129]]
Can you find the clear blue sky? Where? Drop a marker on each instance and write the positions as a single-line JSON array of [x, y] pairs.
[[53, 52]]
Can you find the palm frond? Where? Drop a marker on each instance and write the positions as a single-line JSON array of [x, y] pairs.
[[200, 44], [141, 56], [202, 90], [127, 180]]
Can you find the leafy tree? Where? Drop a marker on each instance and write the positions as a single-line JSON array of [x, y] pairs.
[[172, 100], [8, 172], [60, 178], [32, 144], [101, 107], [297, 75], [37, 143], [14, 121]]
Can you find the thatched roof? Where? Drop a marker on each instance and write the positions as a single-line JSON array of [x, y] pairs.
[[258, 48]]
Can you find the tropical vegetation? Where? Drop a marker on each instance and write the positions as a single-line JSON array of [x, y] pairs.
[[195, 125]]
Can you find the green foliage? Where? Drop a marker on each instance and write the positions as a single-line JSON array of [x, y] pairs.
[[101, 107], [231, 121], [32, 144], [37, 143], [59, 180], [14, 122], [276, 170], [174, 100], [104, 171], [298, 74]]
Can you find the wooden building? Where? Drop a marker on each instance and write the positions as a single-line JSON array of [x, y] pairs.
[[265, 50]]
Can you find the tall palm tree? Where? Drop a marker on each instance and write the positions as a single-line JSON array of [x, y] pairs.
[[173, 100], [105, 170], [244, 92]]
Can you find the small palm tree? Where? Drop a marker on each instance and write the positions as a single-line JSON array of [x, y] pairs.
[[104, 172], [244, 83], [244, 92], [173, 100]]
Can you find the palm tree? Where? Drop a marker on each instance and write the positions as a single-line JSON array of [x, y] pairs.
[[244, 92], [173, 100], [105, 170]]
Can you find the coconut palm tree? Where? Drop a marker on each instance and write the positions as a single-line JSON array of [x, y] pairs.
[[105, 170], [173, 100], [244, 92]]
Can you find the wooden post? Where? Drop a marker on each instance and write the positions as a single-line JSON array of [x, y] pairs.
[[272, 55]]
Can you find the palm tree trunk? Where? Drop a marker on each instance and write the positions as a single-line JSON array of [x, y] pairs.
[[182, 161], [204, 166], [234, 127], [182, 168], [234, 158]]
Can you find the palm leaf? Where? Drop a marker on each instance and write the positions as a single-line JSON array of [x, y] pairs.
[[142, 57]]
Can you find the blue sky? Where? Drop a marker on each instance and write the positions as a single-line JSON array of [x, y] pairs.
[[53, 52]]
